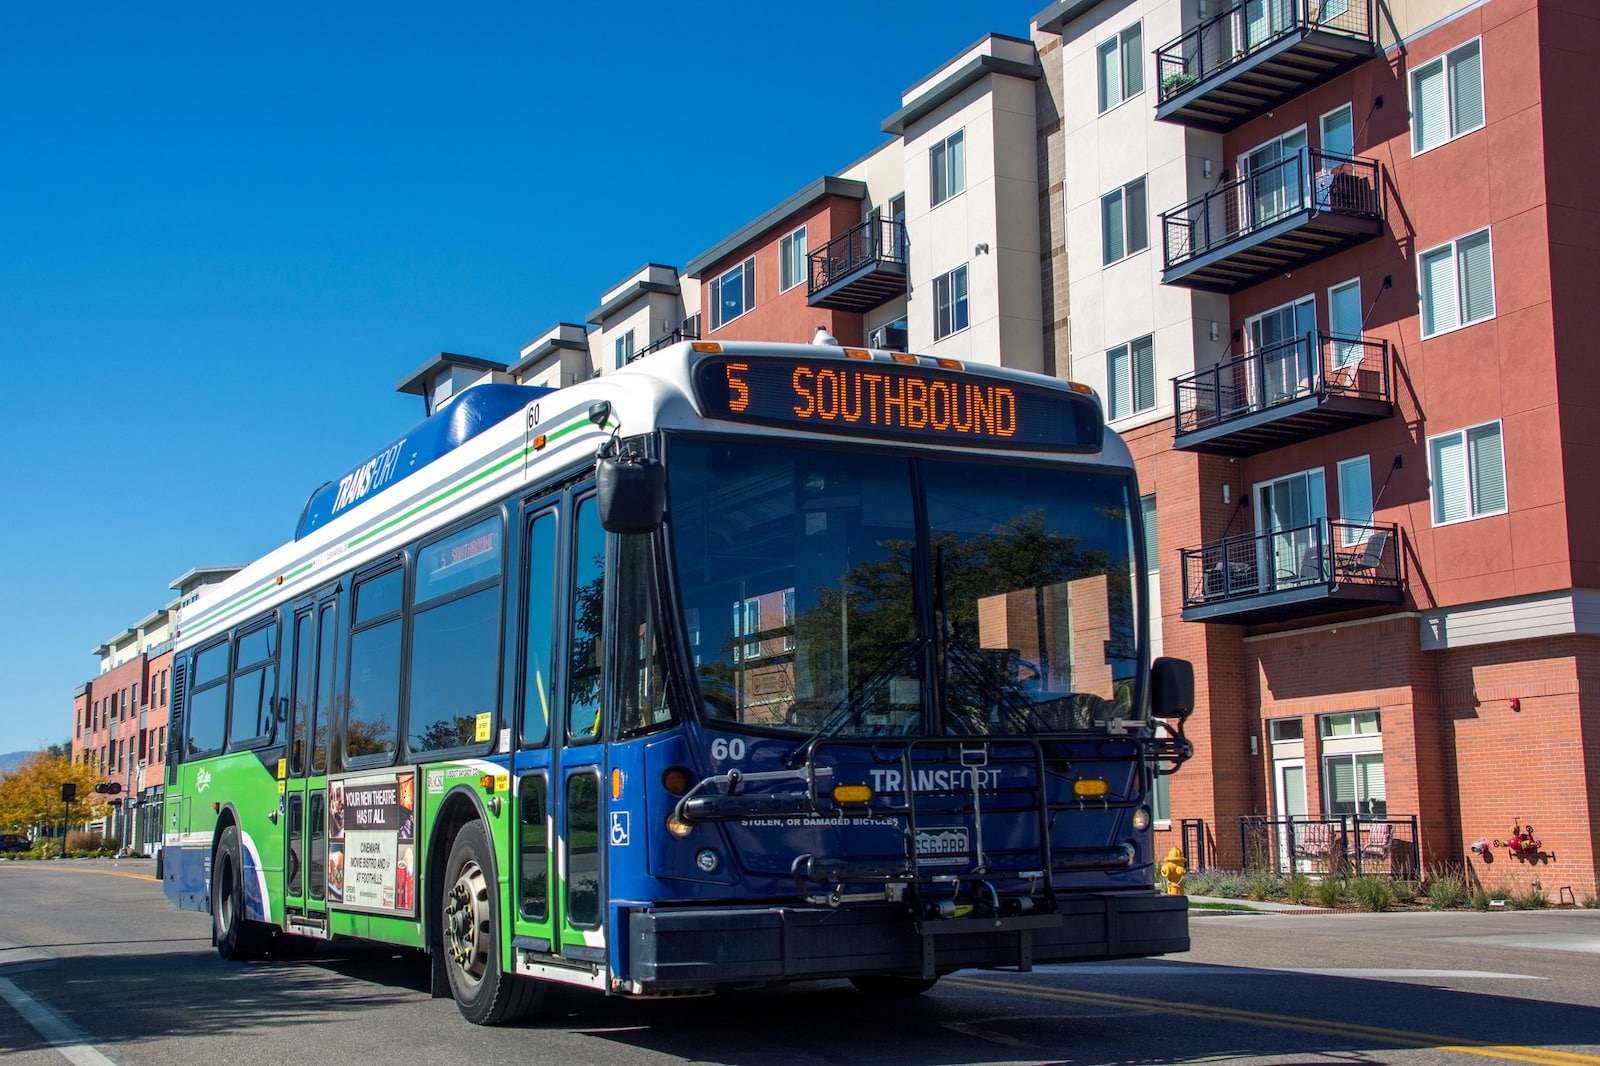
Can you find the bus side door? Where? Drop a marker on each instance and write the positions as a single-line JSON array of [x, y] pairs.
[[306, 784], [560, 760]]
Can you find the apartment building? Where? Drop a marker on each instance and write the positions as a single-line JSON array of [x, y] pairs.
[[120, 718], [1326, 265]]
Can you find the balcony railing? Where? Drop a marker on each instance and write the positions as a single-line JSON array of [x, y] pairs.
[[1302, 208], [1381, 845], [1296, 389], [671, 338], [1284, 574], [1256, 55], [862, 269]]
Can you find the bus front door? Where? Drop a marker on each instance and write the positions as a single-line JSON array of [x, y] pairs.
[[305, 783], [559, 765]]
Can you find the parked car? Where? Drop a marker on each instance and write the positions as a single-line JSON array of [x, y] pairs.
[[14, 842]]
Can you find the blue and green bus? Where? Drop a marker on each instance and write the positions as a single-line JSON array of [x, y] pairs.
[[743, 664]]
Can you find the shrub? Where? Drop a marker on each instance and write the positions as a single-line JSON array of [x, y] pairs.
[[80, 841], [1330, 890], [1531, 900], [1402, 892], [1371, 893], [1591, 902], [1261, 885], [1480, 900], [1297, 889], [1448, 892]]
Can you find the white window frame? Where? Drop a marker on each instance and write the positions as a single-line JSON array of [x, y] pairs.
[[1150, 518], [1451, 133], [747, 284], [948, 159], [1126, 350], [1348, 534], [1121, 197], [1474, 511], [1456, 309], [946, 302], [1116, 48], [623, 348], [792, 260]]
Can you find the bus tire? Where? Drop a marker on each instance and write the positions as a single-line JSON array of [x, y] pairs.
[[884, 986], [470, 936], [236, 937]]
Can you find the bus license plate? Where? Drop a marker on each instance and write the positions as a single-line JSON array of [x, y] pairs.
[[944, 846]]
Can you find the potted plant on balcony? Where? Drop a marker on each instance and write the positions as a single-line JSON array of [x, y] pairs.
[[1175, 83]]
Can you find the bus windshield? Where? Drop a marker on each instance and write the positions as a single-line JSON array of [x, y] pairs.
[[854, 594]]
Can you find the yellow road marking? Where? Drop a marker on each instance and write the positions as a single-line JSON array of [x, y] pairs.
[[1512, 1052], [47, 865]]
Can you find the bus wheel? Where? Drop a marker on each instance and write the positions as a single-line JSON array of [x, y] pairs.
[[236, 937], [881, 986], [471, 933]]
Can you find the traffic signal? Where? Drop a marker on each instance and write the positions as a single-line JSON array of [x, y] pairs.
[[102, 788], [110, 788], [69, 792]]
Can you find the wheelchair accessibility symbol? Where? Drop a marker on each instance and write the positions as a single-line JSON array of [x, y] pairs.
[[619, 829]]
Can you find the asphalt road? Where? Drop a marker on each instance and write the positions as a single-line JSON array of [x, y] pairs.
[[93, 958]]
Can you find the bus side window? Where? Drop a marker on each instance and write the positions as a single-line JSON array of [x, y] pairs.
[[587, 605], [539, 629]]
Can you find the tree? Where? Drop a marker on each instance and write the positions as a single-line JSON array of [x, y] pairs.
[[31, 794]]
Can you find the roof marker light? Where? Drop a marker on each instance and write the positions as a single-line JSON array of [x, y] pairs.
[[709, 347], [906, 357]]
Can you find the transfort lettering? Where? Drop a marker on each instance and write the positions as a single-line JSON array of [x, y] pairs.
[[935, 780], [374, 474], [875, 398]]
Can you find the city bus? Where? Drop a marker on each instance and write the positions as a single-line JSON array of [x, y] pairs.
[[744, 664]]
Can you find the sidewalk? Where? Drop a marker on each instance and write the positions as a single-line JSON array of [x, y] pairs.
[[1205, 905]]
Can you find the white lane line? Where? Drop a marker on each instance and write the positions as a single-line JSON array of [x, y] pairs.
[[72, 1042], [1192, 969]]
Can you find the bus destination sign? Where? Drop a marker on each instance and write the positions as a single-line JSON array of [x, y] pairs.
[[900, 400]]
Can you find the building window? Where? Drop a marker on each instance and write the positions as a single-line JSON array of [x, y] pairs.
[[624, 349], [1147, 510], [950, 303], [1355, 785], [733, 293], [792, 260], [1355, 500], [1119, 64], [1131, 378], [1457, 283], [947, 164], [1447, 97], [1124, 222], [1467, 473]]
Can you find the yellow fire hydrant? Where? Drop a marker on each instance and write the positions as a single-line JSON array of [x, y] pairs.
[[1173, 870]]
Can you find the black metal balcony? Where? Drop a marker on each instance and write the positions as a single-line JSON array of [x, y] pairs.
[[1294, 390], [684, 333], [1303, 208], [863, 269], [1258, 54], [1288, 574]]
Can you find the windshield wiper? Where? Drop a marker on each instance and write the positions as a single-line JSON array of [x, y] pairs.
[[850, 706]]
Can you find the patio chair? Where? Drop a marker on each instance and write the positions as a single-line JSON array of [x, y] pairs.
[[1313, 840], [1380, 838], [1367, 561]]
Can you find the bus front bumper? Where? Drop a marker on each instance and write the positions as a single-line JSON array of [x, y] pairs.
[[681, 948]]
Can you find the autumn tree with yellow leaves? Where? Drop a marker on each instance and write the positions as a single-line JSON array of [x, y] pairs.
[[30, 795]]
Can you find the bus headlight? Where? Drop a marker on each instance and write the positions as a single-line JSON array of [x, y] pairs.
[[677, 826], [1141, 818]]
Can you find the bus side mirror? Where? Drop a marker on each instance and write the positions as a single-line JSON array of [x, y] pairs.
[[632, 491], [1171, 688]]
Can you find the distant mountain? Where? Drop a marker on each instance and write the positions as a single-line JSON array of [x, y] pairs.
[[11, 760]]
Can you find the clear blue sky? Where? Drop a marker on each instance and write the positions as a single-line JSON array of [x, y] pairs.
[[230, 230]]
